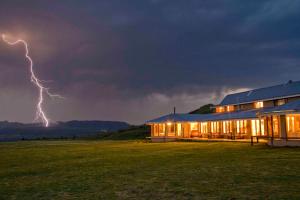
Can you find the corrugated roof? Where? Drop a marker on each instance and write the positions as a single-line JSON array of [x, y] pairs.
[[293, 106], [278, 91], [251, 114]]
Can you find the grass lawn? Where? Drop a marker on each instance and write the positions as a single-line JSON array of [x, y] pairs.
[[131, 169]]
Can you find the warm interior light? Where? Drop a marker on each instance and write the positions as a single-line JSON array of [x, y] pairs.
[[293, 125], [259, 104], [194, 126], [229, 108], [203, 127], [255, 127], [275, 125], [288, 123], [179, 129], [220, 109], [262, 124]]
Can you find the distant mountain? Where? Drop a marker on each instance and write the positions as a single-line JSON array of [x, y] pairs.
[[11, 131]]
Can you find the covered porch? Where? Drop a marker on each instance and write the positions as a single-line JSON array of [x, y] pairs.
[[283, 124], [228, 129]]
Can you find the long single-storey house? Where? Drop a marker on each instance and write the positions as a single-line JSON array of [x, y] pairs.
[[272, 113]]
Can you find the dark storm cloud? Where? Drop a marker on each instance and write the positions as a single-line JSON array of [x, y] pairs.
[[133, 60]]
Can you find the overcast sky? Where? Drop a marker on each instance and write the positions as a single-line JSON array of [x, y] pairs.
[[133, 60]]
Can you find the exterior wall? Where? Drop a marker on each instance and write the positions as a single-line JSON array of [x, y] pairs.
[[248, 106], [276, 126], [215, 129], [237, 107], [186, 130], [293, 99], [234, 129], [283, 127], [293, 125], [268, 104]]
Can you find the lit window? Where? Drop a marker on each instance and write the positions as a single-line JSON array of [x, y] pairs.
[[156, 131], [257, 127], [203, 127], [170, 129], [227, 127], [262, 124], [215, 127], [220, 109], [179, 129], [161, 129], [229, 108], [241, 126], [259, 104], [194, 129], [194, 126], [280, 102], [293, 125]]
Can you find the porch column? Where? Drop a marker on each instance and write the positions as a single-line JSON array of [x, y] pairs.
[[272, 129], [260, 128], [283, 131], [267, 126]]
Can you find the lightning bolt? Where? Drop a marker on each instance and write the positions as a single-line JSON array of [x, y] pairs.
[[40, 113]]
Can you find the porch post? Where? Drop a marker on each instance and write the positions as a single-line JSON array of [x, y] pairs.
[[260, 129], [267, 125], [272, 138]]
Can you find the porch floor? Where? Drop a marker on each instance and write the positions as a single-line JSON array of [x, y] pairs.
[[218, 140]]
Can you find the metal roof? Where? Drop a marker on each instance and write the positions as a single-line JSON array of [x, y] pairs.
[[289, 89], [293, 106], [290, 107], [251, 114]]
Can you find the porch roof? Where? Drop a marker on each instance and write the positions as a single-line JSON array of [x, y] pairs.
[[251, 114], [293, 106]]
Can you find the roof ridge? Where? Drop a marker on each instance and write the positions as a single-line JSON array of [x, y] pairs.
[[270, 92], [267, 87]]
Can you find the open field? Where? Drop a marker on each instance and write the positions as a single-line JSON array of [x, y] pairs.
[[131, 169]]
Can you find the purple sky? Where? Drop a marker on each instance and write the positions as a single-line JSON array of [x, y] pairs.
[[134, 60]]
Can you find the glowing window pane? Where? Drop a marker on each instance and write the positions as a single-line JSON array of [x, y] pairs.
[[259, 104]]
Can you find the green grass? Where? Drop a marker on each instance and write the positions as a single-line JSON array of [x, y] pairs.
[[138, 170]]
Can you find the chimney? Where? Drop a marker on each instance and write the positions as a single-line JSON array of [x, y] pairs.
[[174, 110]]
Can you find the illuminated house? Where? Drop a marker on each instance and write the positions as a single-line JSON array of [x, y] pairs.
[[272, 113]]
